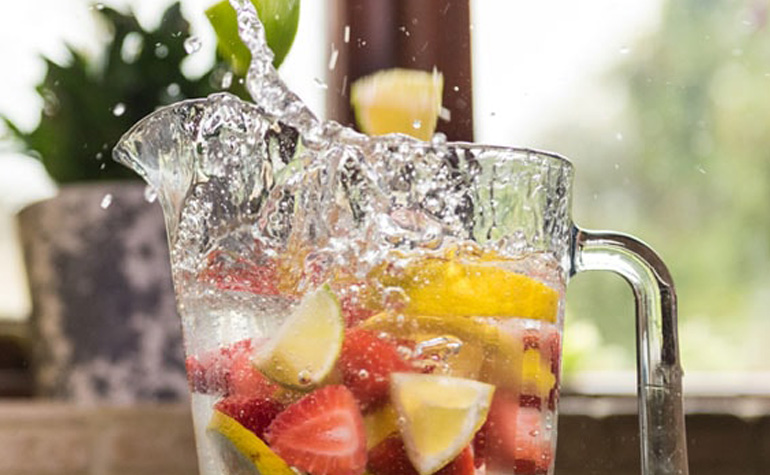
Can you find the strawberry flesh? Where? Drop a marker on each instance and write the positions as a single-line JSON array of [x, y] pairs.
[[255, 414], [228, 371], [322, 433], [366, 362], [515, 437]]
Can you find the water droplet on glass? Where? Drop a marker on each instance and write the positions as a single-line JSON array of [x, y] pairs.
[[106, 201], [227, 80], [119, 109], [320, 84], [417, 124], [150, 195], [192, 44], [161, 50]]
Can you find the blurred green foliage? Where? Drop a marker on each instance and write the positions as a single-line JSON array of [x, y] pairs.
[[90, 104], [693, 174]]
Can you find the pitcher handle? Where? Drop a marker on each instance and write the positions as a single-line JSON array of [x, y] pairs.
[[659, 374]]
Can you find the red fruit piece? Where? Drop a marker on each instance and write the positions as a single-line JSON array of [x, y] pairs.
[[229, 272], [516, 437], [322, 433], [228, 371], [366, 362], [389, 458], [255, 414]]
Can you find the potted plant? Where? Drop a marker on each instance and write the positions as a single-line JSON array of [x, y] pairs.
[[104, 323]]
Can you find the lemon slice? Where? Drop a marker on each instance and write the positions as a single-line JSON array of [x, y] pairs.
[[242, 450], [398, 101], [450, 287], [439, 416], [379, 424], [305, 349]]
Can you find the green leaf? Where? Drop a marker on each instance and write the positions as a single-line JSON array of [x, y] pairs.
[[279, 17]]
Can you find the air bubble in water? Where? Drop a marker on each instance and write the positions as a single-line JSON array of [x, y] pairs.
[[119, 109], [304, 377], [192, 44], [106, 201]]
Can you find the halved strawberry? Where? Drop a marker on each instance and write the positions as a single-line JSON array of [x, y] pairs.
[[516, 437], [389, 458], [253, 413], [366, 362], [229, 272], [228, 371], [322, 433]]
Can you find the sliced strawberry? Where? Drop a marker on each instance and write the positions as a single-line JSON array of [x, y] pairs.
[[229, 272], [516, 437], [366, 362], [255, 414], [228, 371], [389, 458], [322, 433]]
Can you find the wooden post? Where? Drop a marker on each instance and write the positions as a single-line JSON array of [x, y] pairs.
[[415, 34]]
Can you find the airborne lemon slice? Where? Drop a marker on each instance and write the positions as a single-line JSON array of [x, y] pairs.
[[439, 416], [398, 101], [306, 347], [453, 287], [242, 451]]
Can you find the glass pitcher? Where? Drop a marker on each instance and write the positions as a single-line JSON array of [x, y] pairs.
[[383, 305]]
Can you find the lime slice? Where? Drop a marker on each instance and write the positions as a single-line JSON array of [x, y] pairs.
[[241, 450], [458, 287], [303, 352], [398, 101], [439, 416], [279, 17]]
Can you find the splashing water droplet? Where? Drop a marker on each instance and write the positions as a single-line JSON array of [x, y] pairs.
[[445, 114], [119, 109], [333, 58], [417, 124], [192, 44], [106, 201], [173, 90], [161, 50], [99, 6], [347, 34], [320, 84], [150, 195], [227, 80]]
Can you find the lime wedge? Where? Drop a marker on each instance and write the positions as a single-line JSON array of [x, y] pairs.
[[306, 347], [279, 17], [439, 415], [398, 101], [241, 450]]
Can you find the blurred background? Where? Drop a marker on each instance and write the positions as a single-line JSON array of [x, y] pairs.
[[663, 107]]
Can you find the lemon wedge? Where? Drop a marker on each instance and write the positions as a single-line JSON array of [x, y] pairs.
[[379, 424], [438, 416], [452, 287], [306, 347], [398, 101], [242, 450]]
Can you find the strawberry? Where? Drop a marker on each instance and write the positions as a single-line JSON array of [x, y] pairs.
[[228, 371], [389, 458], [366, 362], [515, 437], [236, 273], [255, 414], [322, 433]]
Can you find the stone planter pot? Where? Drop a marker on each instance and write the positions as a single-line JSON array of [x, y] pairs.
[[104, 324]]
